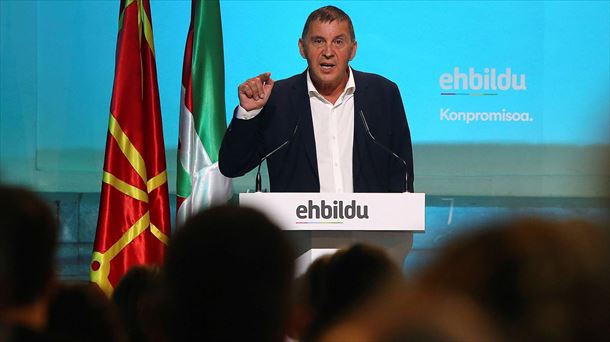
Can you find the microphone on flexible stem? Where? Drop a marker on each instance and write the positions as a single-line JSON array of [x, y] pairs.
[[258, 171], [368, 132]]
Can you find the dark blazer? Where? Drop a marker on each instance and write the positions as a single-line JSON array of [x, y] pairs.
[[294, 168]]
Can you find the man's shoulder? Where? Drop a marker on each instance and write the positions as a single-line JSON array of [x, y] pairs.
[[373, 80], [291, 81], [285, 89]]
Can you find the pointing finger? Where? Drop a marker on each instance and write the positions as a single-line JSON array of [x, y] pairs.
[[265, 77]]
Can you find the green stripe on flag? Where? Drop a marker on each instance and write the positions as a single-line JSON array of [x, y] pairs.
[[208, 77], [184, 186]]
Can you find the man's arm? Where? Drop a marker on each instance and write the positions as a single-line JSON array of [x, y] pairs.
[[241, 147], [401, 142]]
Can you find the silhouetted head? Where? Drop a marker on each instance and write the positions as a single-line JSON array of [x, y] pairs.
[[538, 279], [28, 237], [228, 272], [82, 312], [345, 281], [138, 297]]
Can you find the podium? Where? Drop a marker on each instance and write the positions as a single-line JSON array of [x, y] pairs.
[[320, 223]]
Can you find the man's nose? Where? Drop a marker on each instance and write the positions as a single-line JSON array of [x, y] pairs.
[[328, 50]]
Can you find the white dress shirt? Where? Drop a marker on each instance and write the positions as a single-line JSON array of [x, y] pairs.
[[333, 126]]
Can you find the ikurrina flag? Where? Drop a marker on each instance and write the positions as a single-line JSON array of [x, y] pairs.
[[202, 114], [134, 221]]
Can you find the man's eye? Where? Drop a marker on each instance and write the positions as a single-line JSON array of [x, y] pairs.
[[318, 41], [339, 42]]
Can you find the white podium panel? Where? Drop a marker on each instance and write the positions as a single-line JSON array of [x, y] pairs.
[[341, 211]]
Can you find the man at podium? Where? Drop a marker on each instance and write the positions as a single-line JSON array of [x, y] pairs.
[[328, 129]]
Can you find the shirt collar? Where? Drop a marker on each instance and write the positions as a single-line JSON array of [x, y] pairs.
[[350, 87]]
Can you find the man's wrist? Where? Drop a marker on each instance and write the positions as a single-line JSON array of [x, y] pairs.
[[243, 114]]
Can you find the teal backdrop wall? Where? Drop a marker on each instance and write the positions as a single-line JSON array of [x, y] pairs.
[[508, 102]]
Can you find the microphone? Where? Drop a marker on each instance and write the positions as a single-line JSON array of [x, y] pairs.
[[368, 132], [258, 185]]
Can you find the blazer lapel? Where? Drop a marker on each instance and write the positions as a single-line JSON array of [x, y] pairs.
[[300, 100]]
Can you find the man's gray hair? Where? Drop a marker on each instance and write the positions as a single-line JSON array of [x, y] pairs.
[[328, 14]]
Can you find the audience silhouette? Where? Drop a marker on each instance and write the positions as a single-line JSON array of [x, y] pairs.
[[28, 238], [82, 312], [138, 297], [229, 276], [344, 281], [521, 279], [229, 273]]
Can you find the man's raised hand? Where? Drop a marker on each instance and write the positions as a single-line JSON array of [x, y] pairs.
[[254, 92]]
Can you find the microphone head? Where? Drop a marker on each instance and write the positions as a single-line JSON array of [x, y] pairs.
[[258, 179]]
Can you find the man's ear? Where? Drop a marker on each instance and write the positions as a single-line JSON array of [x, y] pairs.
[[302, 49], [354, 48]]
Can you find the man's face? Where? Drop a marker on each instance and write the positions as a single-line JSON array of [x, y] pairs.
[[328, 48]]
